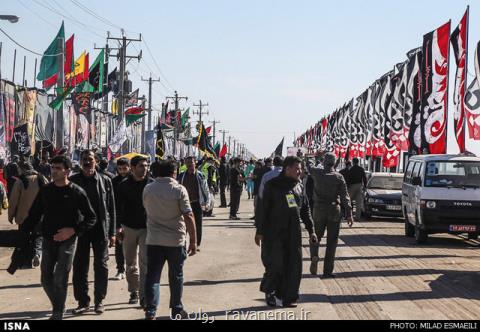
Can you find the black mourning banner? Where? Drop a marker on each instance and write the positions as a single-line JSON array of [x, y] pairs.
[[21, 142]]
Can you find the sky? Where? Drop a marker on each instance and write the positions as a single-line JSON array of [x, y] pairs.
[[267, 68]]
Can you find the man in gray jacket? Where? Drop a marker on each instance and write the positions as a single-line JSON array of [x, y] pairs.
[[329, 194]]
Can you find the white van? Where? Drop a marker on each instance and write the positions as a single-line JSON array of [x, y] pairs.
[[441, 194]]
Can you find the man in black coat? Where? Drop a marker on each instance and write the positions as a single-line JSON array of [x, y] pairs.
[[65, 213], [283, 207], [223, 174], [99, 189]]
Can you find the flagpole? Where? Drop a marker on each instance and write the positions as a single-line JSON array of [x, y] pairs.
[[60, 84], [448, 85]]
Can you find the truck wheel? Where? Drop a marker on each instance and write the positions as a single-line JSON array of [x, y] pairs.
[[421, 236], [409, 228]]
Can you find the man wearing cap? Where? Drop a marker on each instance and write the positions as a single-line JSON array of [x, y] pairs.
[[329, 195]]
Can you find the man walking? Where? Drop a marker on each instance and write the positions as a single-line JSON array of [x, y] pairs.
[[358, 180], [198, 193], [123, 170], [169, 218], [283, 207], [223, 175], [329, 195], [133, 220], [236, 187], [66, 213], [23, 194], [99, 190], [277, 169]]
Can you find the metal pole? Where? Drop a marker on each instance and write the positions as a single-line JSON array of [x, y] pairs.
[[35, 74], [14, 64], [24, 67]]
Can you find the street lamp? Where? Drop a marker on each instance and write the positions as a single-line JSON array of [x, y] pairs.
[[10, 18]]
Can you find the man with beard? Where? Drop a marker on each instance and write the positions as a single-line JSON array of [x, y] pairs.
[[99, 190]]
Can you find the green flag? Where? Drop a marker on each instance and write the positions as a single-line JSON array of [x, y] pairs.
[[95, 77], [185, 117], [62, 94], [50, 64]]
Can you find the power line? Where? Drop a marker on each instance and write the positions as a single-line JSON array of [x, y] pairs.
[[95, 15], [25, 48], [156, 64], [53, 10]]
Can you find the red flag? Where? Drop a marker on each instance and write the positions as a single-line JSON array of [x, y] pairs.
[[68, 65], [69, 62], [223, 151], [460, 45], [49, 82], [435, 90], [208, 130]]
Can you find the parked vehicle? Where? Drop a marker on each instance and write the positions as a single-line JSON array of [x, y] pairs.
[[383, 195], [441, 194]]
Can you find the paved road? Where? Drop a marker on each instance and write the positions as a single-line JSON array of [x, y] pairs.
[[381, 274]]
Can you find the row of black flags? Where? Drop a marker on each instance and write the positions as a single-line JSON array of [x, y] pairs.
[[406, 109]]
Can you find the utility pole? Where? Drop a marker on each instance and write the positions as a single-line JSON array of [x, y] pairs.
[[150, 83], [123, 58], [234, 148], [176, 98], [229, 150], [214, 122], [200, 111], [107, 49], [223, 136], [142, 149]]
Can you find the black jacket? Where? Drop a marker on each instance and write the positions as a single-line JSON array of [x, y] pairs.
[[76, 212], [131, 212], [276, 217], [107, 213], [223, 174]]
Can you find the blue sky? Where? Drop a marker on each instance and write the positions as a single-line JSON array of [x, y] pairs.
[[267, 68]]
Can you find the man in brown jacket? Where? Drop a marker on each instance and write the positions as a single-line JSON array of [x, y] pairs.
[[23, 194]]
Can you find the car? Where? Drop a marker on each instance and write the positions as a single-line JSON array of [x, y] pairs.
[[441, 194], [383, 195]]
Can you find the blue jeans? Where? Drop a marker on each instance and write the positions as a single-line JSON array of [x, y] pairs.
[[156, 258]]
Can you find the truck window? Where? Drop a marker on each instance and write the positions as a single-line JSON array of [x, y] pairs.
[[408, 173], [416, 170], [453, 174]]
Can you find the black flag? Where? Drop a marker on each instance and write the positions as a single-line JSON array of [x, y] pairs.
[[279, 149], [203, 143], [160, 143]]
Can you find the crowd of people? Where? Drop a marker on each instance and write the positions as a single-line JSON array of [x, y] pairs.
[[150, 211]]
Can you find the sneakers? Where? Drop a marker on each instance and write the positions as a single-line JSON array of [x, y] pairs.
[[81, 309], [150, 315], [133, 298], [234, 218], [36, 261], [270, 299], [99, 308], [314, 266], [120, 276]]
